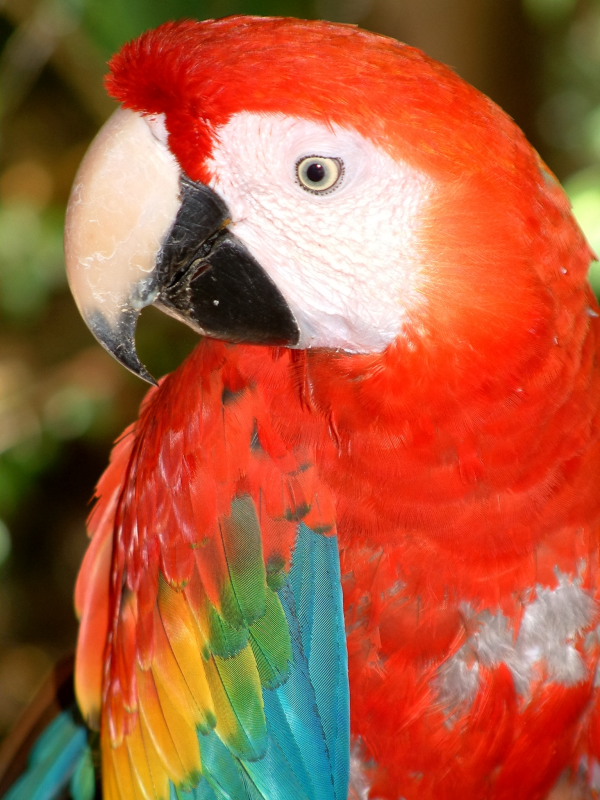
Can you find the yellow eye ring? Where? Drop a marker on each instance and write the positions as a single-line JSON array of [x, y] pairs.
[[319, 174]]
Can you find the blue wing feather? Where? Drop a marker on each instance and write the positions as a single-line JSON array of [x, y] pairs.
[[61, 757]]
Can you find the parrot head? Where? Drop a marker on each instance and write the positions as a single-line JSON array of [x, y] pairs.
[[312, 185]]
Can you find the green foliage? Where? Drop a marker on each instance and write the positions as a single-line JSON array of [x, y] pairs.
[[31, 255], [547, 12], [569, 116]]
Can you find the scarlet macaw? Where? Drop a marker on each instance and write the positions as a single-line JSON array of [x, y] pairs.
[[350, 547]]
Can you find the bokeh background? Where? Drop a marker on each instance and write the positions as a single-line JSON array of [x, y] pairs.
[[62, 399]]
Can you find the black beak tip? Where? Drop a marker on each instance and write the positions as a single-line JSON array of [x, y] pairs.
[[119, 341], [127, 356]]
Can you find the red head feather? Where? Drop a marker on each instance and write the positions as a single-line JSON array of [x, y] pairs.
[[200, 73]]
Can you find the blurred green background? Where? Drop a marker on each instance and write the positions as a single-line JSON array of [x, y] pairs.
[[62, 399]]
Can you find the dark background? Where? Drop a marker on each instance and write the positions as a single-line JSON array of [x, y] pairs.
[[62, 399]]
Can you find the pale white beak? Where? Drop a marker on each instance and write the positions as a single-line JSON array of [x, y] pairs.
[[123, 203]]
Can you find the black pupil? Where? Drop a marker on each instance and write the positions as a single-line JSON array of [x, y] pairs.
[[315, 172]]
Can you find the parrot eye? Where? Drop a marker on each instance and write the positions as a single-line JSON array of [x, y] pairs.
[[319, 174]]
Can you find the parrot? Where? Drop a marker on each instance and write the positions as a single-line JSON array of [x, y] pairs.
[[350, 548]]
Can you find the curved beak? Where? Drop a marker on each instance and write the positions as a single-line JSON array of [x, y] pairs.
[[141, 232], [122, 205]]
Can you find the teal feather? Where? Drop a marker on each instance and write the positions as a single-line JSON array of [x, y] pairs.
[[328, 658], [83, 782], [61, 759]]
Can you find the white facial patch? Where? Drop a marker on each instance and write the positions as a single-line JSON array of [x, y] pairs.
[[346, 260], [546, 640]]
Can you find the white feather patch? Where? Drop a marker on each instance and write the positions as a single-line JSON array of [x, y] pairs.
[[546, 640]]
